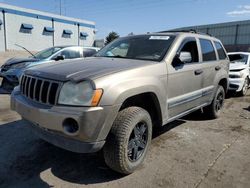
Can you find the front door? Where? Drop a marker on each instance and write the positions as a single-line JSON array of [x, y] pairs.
[[185, 81]]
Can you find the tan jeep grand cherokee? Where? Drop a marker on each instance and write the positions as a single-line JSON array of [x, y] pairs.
[[113, 100]]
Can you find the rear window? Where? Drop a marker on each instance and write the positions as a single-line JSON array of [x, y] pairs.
[[207, 49], [220, 50]]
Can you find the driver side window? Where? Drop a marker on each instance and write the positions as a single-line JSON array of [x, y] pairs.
[[190, 45], [70, 54]]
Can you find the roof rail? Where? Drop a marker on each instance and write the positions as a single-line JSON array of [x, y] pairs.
[[186, 31]]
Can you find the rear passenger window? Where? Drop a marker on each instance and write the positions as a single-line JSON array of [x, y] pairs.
[[220, 50], [207, 49]]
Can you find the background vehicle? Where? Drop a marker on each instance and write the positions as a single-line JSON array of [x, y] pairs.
[[12, 69], [113, 100], [239, 75]]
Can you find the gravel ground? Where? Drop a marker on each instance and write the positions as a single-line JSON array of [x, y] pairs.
[[190, 152]]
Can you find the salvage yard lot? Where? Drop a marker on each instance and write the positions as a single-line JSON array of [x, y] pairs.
[[192, 152]]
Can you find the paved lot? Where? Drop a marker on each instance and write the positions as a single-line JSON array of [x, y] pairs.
[[192, 152]]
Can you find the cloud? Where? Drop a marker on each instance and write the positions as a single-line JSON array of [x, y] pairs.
[[241, 11]]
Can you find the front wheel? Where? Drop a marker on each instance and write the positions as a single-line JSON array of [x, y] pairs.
[[128, 140], [243, 92], [214, 109]]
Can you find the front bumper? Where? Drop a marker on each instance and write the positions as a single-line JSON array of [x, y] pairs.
[[236, 84], [94, 123]]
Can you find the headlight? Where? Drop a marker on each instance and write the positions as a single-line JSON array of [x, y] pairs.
[[20, 65], [79, 94], [238, 75]]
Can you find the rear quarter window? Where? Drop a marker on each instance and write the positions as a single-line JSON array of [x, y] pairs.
[[220, 50], [207, 49]]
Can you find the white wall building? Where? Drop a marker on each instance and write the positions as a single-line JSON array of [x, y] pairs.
[[36, 30]]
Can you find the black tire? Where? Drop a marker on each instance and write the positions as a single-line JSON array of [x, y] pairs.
[[116, 151], [243, 92], [214, 109]]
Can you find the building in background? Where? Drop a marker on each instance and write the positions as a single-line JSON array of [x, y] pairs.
[[99, 43], [234, 35], [36, 30]]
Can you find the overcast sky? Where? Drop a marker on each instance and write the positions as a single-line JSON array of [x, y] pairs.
[[141, 16]]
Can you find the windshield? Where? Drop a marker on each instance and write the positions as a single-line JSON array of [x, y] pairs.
[[146, 47], [239, 58], [47, 53]]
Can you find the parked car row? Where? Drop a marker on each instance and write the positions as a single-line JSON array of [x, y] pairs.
[[13, 68]]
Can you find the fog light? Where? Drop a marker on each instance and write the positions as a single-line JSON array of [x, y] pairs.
[[70, 126]]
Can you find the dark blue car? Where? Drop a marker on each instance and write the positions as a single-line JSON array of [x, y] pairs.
[[13, 68]]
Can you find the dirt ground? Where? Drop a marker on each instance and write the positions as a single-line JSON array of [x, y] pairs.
[[12, 53], [190, 152]]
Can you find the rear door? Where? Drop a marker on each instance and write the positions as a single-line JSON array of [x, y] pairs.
[[211, 66], [185, 81]]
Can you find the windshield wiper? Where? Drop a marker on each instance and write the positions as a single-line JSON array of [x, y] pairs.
[[116, 56]]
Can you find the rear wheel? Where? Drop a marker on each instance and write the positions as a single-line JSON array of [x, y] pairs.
[[214, 109], [128, 140], [243, 92]]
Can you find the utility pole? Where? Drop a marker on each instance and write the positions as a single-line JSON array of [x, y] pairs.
[[60, 1]]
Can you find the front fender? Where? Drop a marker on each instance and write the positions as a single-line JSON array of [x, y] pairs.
[[119, 91]]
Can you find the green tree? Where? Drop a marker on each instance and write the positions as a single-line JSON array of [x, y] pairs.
[[111, 36]]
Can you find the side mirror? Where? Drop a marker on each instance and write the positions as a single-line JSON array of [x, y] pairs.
[[59, 57], [185, 57]]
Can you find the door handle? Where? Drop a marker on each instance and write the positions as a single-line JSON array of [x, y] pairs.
[[198, 71], [217, 68]]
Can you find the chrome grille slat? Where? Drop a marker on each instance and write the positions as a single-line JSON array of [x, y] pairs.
[[40, 93], [57, 92], [40, 90], [25, 85], [34, 91], [48, 93], [29, 87], [21, 84]]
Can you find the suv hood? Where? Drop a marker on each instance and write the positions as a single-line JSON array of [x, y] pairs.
[[78, 70], [237, 66], [13, 61]]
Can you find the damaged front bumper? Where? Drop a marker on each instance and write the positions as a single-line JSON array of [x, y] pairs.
[[10, 79]]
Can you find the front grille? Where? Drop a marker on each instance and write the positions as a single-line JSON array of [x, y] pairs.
[[234, 76], [40, 90]]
